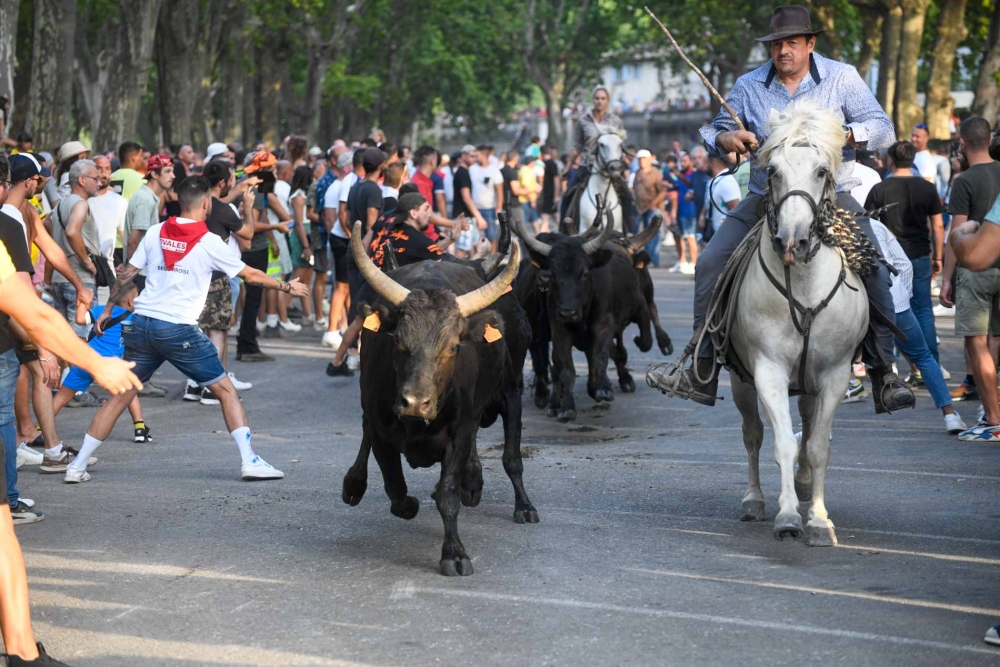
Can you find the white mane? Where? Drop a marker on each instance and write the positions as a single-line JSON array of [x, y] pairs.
[[805, 123]]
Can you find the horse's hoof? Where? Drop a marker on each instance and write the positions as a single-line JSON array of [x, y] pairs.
[[541, 400], [566, 416], [455, 567], [788, 525], [821, 536], [406, 509], [752, 510], [526, 515], [804, 491], [353, 490], [627, 385]]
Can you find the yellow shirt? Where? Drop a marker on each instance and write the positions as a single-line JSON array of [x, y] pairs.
[[6, 264], [528, 180]]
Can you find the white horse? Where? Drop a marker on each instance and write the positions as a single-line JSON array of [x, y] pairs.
[[802, 155], [609, 159]]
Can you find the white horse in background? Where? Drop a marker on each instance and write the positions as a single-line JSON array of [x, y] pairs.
[[609, 160], [802, 155]]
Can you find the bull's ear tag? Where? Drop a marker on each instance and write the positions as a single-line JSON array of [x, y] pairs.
[[373, 322], [640, 265], [492, 334]]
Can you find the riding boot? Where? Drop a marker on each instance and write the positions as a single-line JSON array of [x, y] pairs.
[[683, 383], [888, 392]]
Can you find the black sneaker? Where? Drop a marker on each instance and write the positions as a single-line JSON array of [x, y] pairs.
[[252, 357], [208, 398], [339, 371], [23, 515], [43, 660], [273, 332], [192, 393], [150, 390], [143, 434], [85, 399]]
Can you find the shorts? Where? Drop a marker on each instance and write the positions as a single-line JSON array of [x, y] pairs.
[[149, 342], [321, 260], [492, 228], [295, 249], [218, 310], [530, 213], [975, 302], [338, 248], [78, 379], [279, 264], [687, 226], [64, 295]]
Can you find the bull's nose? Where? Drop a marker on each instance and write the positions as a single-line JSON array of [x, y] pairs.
[[569, 315], [414, 406]]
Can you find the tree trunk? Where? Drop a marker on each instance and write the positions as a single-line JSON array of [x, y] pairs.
[[951, 31], [889, 56], [8, 55], [557, 128], [871, 36], [51, 97], [987, 101], [908, 113]]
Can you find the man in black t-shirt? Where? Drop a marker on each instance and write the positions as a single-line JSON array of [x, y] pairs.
[[405, 232], [916, 223]]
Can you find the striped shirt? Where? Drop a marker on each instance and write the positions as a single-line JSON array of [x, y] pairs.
[[834, 85], [902, 285]]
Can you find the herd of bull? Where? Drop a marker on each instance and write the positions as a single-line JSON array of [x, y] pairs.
[[444, 346]]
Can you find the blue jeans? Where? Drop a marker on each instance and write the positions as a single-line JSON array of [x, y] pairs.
[[917, 351], [492, 228], [65, 298], [920, 302], [653, 247], [9, 371], [149, 342]]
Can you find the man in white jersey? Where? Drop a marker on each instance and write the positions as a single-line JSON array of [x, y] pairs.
[[179, 256]]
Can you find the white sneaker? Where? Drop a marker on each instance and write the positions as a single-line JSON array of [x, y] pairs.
[[354, 361], [675, 268], [332, 339], [76, 475], [308, 320], [239, 385], [953, 423], [258, 468], [322, 324], [290, 326], [945, 374], [26, 456], [260, 326], [687, 269], [941, 311]]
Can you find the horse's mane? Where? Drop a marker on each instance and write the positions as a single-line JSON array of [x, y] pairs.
[[805, 123]]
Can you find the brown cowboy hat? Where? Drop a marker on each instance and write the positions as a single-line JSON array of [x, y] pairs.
[[789, 21]]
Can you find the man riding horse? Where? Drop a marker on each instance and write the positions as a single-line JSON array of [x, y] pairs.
[[586, 133], [793, 73]]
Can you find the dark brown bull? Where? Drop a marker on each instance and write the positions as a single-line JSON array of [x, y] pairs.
[[441, 356]]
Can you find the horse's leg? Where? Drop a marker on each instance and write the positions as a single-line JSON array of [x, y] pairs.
[[772, 389], [819, 530], [803, 474], [745, 398]]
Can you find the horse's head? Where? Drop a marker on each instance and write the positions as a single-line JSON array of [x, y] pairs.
[[609, 150], [802, 155]]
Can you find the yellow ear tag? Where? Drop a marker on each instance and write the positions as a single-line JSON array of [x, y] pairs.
[[492, 334], [373, 322]]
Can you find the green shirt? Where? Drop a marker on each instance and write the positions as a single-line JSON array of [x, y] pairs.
[[126, 182]]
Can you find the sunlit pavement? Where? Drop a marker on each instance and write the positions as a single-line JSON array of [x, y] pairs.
[[166, 558]]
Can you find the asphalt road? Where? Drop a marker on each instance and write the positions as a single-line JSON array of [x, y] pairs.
[[166, 558]]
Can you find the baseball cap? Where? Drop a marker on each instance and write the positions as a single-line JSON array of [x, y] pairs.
[[372, 159], [261, 160], [71, 149], [345, 159], [467, 148], [315, 151], [218, 148], [158, 162], [643, 153], [22, 167]]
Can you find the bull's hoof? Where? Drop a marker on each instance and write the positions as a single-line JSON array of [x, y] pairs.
[[566, 416], [752, 510], [643, 345], [821, 536], [664, 343], [626, 384], [456, 567], [551, 412], [526, 515], [541, 400], [471, 497], [406, 509], [788, 525], [604, 395], [354, 490]]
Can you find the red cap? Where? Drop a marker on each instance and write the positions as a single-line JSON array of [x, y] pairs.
[[158, 162]]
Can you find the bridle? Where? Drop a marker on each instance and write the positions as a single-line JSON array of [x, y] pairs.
[[606, 168]]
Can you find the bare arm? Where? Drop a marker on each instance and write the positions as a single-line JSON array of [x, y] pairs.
[[976, 246], [74, 235], [275, 205], [372, 217], [134, 239], [299, 213], [466, 195], [342, 214], [499, 187], [947, 296], [254, 277], [937, 236], [330, 216], [55, 256]]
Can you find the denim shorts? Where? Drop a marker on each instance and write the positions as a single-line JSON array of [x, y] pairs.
[[492, 228], [687, 226], [150, 342], [64, 295]]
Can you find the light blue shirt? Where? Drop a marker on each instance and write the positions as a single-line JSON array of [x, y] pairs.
[[902, 284], [834, 85]]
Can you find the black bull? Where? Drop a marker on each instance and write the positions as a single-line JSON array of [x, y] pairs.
[[431, 376], [583, 293]]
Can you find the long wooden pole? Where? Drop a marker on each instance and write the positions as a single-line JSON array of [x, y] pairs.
[[704, 79]]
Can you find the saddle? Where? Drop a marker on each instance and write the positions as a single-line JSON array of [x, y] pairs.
[[620, 185]]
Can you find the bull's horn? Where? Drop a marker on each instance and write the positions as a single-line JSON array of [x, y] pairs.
[[593, 230], [483, 297], [503, 243], [385, 286], [533, 244], [592, 246], [648, 234]]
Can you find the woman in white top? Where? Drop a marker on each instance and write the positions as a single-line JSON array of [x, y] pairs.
[[298, 240]]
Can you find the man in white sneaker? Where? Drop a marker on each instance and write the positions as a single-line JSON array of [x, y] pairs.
[[180, 255]]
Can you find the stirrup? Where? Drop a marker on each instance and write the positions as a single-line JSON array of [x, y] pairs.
[[673, 381]]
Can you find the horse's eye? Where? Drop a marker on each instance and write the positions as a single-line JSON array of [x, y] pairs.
[[455, 347], [823, 172]]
